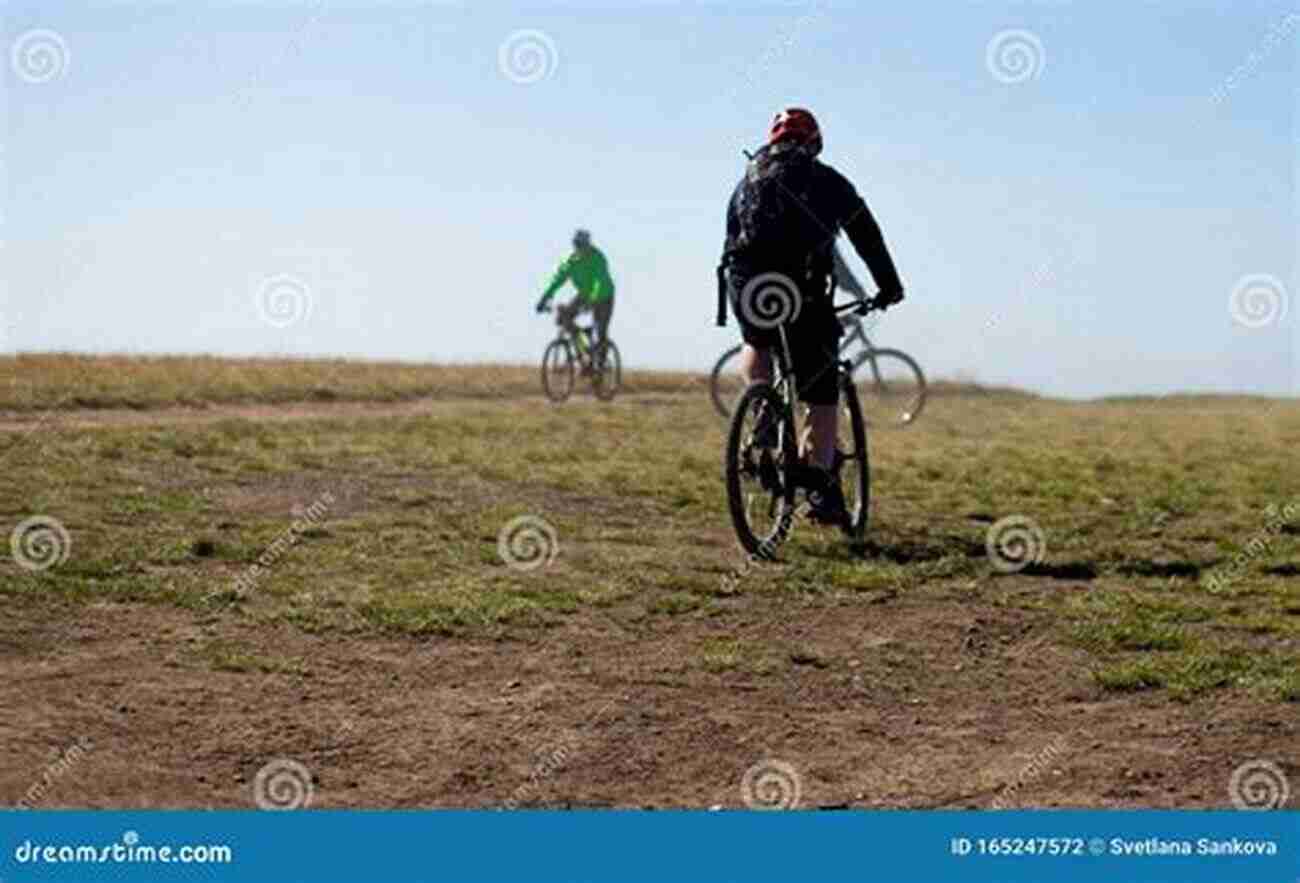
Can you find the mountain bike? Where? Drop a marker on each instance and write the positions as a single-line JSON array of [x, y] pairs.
[[893, 394], [762, 465], [572, 352]]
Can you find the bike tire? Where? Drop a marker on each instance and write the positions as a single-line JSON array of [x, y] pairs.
[[737, 463], [908, 410], [609, 381], [557, 370], [859, 505], [716, 392]]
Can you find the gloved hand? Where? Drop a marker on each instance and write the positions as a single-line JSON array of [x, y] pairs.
[[889, 298], [543, 307]]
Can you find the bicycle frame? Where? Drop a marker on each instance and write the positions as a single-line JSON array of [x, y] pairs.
[[784, 379], [784, 364], [856, 332], [580, 337]]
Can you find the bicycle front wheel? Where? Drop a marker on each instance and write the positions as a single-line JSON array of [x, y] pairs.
[[607, 378], [759, 467], [891, 385], [557, 370], [726, 382], [852, 464]]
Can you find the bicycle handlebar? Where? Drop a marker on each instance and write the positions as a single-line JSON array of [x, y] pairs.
[[862, 306]]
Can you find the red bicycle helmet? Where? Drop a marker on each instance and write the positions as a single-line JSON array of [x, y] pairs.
[[798, 125]]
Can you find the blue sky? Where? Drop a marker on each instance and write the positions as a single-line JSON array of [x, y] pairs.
[[1078, 231]]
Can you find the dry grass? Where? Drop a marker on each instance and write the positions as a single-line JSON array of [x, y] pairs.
[[41, 381], [37, 382]]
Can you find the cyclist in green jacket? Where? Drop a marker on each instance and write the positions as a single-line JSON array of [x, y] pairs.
[[588, 270]]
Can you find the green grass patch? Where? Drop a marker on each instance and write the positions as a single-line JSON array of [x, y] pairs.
[[1144, 496]]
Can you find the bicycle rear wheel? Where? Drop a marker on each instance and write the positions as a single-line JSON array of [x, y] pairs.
[[891, 385], [759, 468], [726, 382], [557, 370], [608, 377], [852, 463]]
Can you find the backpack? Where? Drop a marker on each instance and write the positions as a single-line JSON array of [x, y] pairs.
[[778, 230], [777, 225]]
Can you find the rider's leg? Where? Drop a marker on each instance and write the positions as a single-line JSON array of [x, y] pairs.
[[817, 369], [816, 350], [824, 422], [825, 495], [756, 367], [602, 313], [755, 364]]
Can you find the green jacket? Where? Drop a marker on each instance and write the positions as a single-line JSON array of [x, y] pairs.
[[589, 274]]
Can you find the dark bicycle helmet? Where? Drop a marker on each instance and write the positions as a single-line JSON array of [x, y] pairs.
[[581, 238]]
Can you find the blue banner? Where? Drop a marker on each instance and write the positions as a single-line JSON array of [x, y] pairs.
[[355, 846]]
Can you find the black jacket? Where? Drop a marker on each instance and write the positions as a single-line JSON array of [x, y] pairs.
[[833, 204]]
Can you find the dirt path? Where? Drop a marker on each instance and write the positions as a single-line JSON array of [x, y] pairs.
[[437, 722], [79, 418]]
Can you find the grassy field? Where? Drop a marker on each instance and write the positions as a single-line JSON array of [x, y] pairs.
[[38, 382], [307, 563]]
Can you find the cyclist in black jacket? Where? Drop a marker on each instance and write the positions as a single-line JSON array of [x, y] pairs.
[[783, 218]]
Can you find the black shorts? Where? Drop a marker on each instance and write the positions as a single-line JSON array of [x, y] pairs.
[[814, 339]]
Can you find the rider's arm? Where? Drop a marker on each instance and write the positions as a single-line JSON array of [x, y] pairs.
[[561, 275], [844, 277], [603, 284], [732, 227], [869, 242]]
